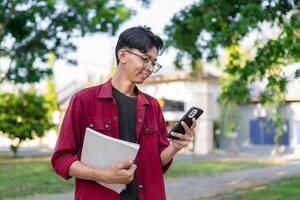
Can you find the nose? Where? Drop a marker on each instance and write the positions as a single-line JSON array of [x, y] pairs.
[[149, 67]]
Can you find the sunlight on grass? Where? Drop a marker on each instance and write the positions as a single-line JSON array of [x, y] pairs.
[[286, 188]]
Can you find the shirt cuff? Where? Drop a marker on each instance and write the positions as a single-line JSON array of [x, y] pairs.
[[166, 167], [63, 166]]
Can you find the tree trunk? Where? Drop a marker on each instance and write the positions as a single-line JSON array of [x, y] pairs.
[[14, 150], [15, 147]]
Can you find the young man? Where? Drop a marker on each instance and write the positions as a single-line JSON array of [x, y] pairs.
[[119, 109]]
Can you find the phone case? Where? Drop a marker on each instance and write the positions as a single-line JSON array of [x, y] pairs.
[[193, 112]]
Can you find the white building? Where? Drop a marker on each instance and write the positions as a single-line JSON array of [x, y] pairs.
[[187, 91]]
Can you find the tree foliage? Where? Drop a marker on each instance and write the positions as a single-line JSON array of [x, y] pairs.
[[23, 116], [32, 34], [50, 94], [30, 29], [203, 28]]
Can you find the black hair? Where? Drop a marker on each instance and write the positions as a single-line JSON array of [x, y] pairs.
[[141, 38]]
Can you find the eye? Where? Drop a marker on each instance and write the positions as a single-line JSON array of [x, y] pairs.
[[148, 60]]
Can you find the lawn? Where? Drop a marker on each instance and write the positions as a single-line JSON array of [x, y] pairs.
[[208, 167], [29, 176], [286, 188]]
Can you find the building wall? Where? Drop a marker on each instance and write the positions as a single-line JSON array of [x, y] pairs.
[[293, 111], [249, 112], [199, 93], [194, 93]]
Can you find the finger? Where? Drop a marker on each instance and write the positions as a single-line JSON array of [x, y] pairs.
[[182, 143], [132, 167], [130, 178], [125, 174], [186, 128], [194, 124], [184, 138], [128, 175], [178, 135], [132, 170]]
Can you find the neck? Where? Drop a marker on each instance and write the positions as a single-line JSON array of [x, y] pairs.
[[123, 85]]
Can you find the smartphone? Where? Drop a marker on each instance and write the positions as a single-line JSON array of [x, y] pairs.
[[193, 112]]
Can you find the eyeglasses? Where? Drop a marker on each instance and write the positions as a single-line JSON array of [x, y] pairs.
[[147, 62]]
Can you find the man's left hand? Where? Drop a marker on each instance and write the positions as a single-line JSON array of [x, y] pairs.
[[184, 139]]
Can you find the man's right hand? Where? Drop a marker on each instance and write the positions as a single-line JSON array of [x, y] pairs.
[[121, 173]]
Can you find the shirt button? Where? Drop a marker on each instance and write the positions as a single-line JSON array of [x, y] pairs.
[[141, 186], [115, 117], [106, 126], [147, 129], [140, 120], [91, 125]]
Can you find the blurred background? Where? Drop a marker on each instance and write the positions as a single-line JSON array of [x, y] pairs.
[[237, 60]]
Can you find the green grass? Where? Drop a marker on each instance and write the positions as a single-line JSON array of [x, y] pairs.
[[23, 177], [208, 167], [286, 188], [29, 176]]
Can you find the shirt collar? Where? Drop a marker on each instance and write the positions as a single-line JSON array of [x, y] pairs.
[[106, 92]]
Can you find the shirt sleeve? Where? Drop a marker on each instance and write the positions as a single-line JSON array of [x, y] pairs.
[[163, 141], [68, 143]]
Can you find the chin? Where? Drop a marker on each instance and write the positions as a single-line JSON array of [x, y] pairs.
[[139, 80]]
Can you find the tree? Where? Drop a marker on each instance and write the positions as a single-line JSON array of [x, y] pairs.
[[23, 116], [33, 32], [200, 30], [29, 30]]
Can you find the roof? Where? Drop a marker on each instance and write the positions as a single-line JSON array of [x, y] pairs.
[[180, 77]]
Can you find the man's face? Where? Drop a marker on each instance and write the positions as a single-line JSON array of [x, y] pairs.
[[139, 66]]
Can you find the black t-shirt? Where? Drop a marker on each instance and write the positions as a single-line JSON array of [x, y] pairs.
[[127, 122]]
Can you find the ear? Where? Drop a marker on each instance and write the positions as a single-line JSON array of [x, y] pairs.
[[122, 56]]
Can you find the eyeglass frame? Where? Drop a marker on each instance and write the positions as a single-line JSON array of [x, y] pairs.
[[156, 66]]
